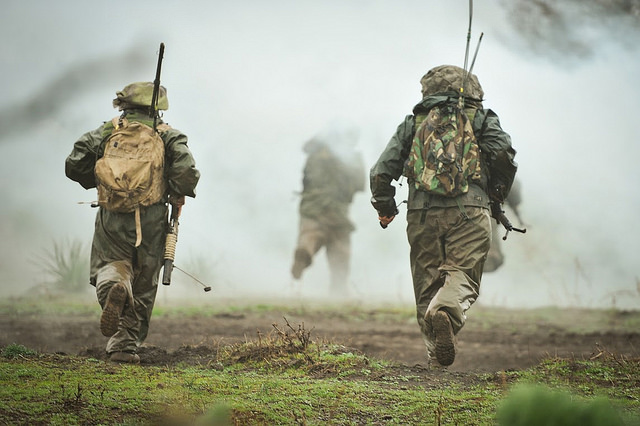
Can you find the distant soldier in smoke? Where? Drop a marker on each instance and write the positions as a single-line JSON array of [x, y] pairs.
[[131, 223], [333, 174], [459, 165], [495, 257]]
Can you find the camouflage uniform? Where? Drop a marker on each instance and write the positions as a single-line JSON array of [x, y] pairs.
[[495, 257], [330, 181], [449, 237], [114, 255]]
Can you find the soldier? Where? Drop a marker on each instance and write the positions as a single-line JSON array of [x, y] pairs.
[[495, 257], [448, 227], [333, 173], [128, 243]]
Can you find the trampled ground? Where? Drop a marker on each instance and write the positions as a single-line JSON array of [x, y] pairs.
[[493, 340]]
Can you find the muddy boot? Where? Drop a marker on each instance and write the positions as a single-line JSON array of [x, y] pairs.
[[124, 357], [445, 346], [113, 309], [301, 261]]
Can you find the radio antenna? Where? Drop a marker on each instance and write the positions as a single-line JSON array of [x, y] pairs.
[[467, 71], [475, 55], [466, 51]]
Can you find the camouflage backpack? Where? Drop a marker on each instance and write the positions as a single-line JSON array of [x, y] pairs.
[[444, 153], [130, 173]]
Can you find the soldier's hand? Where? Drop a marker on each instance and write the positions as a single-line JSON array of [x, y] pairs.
[[177, 202], [385, 220]]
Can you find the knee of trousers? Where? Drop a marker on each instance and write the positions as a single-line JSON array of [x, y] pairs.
[[110, 274]]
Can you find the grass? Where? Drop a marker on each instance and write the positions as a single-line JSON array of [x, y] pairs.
[[55, 389], [285, 377]]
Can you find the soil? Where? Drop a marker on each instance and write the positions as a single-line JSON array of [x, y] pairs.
[[195, 339]]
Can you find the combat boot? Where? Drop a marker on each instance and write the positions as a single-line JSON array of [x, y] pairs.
[[125, 357], [302, 259], [113, 307], [445, 345]]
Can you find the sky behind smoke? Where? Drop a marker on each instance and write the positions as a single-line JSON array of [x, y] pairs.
[[249, 82]]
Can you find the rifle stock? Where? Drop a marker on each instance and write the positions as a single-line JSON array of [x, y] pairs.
[[170, 245]]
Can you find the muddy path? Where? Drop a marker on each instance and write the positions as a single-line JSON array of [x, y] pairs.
[[506, 343]]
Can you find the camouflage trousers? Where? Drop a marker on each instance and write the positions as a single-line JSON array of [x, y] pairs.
[[447, 256], [115, 259], [313, 235]]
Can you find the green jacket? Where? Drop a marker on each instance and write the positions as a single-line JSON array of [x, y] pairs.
[[116, 233], [180, 172], [497, 154], [329, 184]]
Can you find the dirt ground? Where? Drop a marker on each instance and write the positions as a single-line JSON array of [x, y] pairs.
[[512, 344]]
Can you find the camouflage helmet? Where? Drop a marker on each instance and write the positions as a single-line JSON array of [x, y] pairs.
[[137, 95], [449, 78]]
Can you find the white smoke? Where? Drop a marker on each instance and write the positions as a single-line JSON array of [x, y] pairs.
[[249, 83]]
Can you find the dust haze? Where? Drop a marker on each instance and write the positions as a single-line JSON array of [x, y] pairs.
[[250, 82]]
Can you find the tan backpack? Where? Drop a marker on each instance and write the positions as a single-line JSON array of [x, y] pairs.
[[130, 174]]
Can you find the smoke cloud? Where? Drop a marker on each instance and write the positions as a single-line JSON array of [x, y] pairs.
[[250, 83], [574, 29]]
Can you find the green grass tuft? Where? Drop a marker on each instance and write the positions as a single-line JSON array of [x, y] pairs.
[[13, 351]]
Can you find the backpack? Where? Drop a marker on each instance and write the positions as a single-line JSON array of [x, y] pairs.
[[129, 175], [444, 155]]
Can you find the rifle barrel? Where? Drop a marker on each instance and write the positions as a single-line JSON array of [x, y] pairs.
[[153, 109]]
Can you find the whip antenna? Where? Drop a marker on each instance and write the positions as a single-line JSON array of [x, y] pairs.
[[475, 55], [466, 52], [466, 58], [467, 72]]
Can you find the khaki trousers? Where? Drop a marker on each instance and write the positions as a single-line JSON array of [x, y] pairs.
[[313, 235], [447, 256]]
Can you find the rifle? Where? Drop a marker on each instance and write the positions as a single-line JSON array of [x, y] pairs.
[[170, 250], [170, 245], [501, 218], [153, 108], [172, 233]]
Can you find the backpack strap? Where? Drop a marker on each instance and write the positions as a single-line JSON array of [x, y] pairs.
[[138, 226]]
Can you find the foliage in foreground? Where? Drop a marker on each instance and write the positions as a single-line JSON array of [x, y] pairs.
[[285, 378]]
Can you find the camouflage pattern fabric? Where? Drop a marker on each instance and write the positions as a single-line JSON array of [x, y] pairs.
[[140, 95], [447, 257], [450, 78], [449, 236], [495, 147], [114, 257], [444, 154]]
